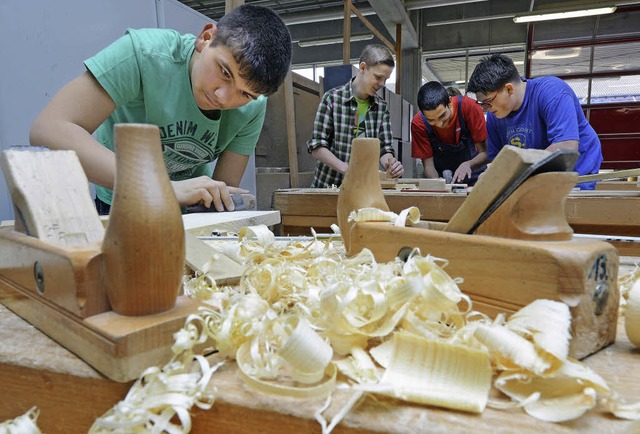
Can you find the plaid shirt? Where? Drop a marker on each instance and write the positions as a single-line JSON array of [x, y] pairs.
[[334, 129]]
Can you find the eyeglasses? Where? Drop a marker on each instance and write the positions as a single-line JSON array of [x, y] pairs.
[[488, 103]]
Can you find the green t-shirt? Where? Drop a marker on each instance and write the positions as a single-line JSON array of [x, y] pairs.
[[146, 73], [363, 106]]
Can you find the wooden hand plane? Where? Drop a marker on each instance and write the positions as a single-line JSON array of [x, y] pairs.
[[116, 308], [509, 241]]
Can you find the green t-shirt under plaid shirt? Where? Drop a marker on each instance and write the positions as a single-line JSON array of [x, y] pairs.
[[335, 128]]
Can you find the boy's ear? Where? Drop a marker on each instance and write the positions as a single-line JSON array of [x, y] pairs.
[[362, 66], [206, 35], [509, 87]]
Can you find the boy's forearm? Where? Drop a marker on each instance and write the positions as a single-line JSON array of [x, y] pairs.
[[327, 157], [98, 162], [479, 160], [429, 168]]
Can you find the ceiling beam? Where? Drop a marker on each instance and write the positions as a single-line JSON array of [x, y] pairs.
[[337, 12], [392, 12]]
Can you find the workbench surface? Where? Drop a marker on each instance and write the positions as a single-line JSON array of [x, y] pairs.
[[36, 371], [607, 215]]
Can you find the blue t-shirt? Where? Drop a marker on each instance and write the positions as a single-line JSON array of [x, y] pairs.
[[550, 113]]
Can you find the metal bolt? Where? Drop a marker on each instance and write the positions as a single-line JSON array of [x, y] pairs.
[[405, 252], [38, 275], [600, 297]]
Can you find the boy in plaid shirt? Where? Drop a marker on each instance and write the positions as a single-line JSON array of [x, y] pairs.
[[351, 111]]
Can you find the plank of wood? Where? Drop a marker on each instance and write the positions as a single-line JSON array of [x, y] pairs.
[[436, 184], [290, 113], [203, 257], [618, 185], [31, 363], [616, 174], [605, 193], [54, 208], [202, 224]]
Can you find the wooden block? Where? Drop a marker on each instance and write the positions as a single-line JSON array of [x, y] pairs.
[[434, 184], [388, 183], [51, 197], [505, 275], [120, 347], [615, 174], [202, 224], [199, 256], [618, 185]]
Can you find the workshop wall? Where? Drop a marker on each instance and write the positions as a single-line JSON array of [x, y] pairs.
[[45, 43]]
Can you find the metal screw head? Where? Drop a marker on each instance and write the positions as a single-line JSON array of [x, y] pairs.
[[38, 276], [405, 252], [600, 297]]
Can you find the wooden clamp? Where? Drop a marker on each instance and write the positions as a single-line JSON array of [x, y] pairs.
[[524, 250], [113, 299]]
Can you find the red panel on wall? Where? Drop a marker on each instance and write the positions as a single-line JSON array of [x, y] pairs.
[[619, 130], [606, 120]]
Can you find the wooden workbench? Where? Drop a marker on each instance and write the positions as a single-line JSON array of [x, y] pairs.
[[597, 214], [35, 371]]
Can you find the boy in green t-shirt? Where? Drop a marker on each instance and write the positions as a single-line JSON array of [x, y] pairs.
[[205, 93]]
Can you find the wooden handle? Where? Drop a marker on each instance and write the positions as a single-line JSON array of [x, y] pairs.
[[535, 211], [361, 185], [144, 248]]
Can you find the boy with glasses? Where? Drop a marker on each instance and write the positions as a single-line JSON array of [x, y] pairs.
[[449, 133], [538, 113], [205, 93]]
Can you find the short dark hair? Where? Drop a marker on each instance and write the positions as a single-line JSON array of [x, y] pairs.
[[431, 95], [260, 43], [453, 91], [375, 54], [492, 73]]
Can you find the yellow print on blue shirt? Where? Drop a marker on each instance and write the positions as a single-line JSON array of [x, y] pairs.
[[517, 141], [519, 135]]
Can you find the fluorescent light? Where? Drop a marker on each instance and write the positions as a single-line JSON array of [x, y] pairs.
[[468, 20], [329, 41], [562, 15], [557, 53], [460, 81]]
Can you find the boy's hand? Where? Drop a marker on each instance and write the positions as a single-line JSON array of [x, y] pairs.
[[463, 171], [394, 168], [206, 191]]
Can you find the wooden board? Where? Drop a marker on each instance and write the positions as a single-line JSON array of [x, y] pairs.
[[199, 258], [34, 370], [120, 347], [436, 184], [610, 215], [615, 174], [61, 213], [202, 224], [618, 185]]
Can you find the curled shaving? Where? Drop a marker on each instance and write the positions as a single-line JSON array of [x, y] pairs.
[[24, 424], [632, 314], [356, 302]]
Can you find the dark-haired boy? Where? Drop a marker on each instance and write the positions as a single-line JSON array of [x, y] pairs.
[[205, 93], [538, 113], [448, 133]]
